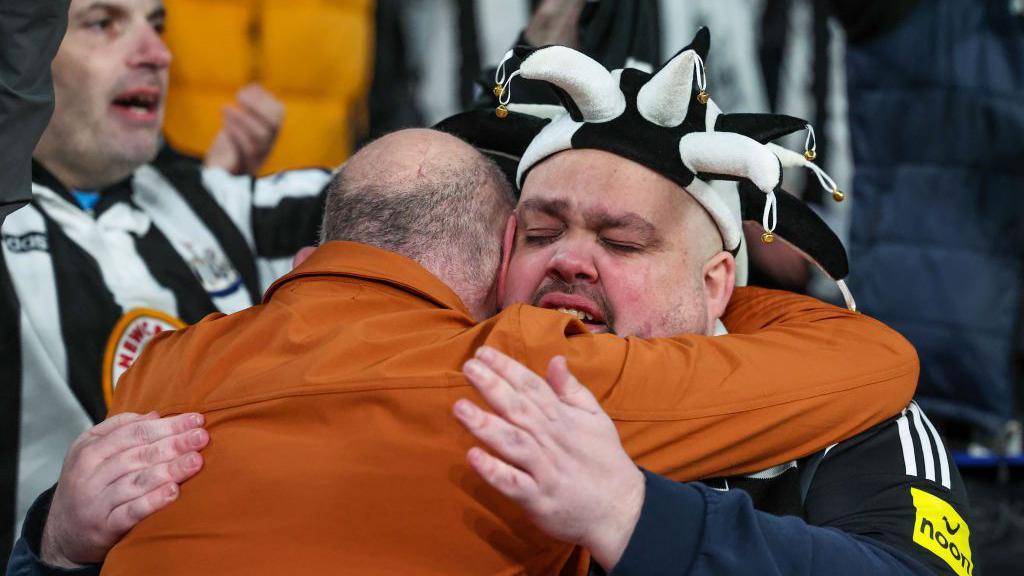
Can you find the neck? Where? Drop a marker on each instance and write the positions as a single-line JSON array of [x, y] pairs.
[[73, 178]]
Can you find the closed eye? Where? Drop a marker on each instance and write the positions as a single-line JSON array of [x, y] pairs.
[[540, 236], [622, 247]]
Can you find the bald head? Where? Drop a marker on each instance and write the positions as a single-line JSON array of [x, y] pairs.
[[411, 155], [429, 197]]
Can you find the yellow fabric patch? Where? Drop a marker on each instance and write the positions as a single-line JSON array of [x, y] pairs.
[[941, 530]]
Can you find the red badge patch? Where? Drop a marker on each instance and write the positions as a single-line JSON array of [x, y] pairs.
[[130, 335]]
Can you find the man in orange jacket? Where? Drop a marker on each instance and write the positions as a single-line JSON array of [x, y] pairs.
[[329, 404]]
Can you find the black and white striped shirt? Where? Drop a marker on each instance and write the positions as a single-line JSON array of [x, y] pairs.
[[83, 291]]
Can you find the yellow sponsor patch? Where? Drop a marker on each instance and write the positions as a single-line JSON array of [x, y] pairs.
[[942, 531]]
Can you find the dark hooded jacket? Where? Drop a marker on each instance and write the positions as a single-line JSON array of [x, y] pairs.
[[937, 242]]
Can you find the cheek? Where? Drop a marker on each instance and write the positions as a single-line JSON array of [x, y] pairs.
[[79, 84], [637, 293], [526, 270]]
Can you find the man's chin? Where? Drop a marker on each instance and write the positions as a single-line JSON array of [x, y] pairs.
[[122, 161], [139, 149]]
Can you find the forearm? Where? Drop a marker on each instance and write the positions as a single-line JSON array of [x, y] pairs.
[[691, 529], [26, 559], [30, 33], [796, 373]]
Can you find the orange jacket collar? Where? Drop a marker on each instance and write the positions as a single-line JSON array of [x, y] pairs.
[[356, 260]]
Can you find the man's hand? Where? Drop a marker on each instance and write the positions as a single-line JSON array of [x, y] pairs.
[[558, 453], [249, 132], [115, 474], [555, 22]]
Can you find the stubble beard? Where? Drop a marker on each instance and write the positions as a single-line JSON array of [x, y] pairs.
[[594, 295]]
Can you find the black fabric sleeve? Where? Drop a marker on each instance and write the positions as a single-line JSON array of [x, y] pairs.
[[287, 210], [25, 559], [898, 485], [30, 33], [10, 407], [294, 223]]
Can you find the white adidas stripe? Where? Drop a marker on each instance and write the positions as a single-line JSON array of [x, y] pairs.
[[926, 443], [927, 436], [940, 449], [909, 461]]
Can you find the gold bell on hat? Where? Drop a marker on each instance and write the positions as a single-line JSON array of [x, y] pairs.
[[501, 111], [767, 237], [810, 155], [703, 97], [838, 195], [498, 90]]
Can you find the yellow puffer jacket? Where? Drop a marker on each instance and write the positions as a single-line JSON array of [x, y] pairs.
[[314, 55]]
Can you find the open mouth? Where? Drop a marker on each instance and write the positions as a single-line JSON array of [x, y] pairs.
[[141, 103], [579, 308], [592, 323]]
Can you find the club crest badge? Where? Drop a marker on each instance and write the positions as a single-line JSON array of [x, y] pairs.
[[213, 270], [128, 338]]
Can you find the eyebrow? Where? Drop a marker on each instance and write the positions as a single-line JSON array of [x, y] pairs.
[[598, 220], [158, 12], [556, 208], [628, 221], [101, 5]]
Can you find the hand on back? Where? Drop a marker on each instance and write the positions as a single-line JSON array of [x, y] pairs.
[[556, 453], [115, 474]]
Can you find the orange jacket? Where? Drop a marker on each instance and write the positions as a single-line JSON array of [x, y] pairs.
[[316, 56], [333, 448]]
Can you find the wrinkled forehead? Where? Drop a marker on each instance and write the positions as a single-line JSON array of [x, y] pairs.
[[589, 183]]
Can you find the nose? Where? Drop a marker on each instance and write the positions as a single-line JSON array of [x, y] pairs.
[[151, 51], [573, 263]]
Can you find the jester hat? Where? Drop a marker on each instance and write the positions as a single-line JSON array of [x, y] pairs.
[[666, 121]]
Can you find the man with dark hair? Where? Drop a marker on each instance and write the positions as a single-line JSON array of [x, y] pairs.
[[117, 243]]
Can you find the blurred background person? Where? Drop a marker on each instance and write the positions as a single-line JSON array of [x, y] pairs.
[[318, 57], [936, 92], [120, 243], [314, 55]]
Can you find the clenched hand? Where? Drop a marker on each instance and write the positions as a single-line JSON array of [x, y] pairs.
[[249, 132]]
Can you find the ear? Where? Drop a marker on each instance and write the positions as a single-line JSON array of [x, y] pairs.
[[507, 245], [719, 278]]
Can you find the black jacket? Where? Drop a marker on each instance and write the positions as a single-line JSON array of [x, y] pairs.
[[30, 33]]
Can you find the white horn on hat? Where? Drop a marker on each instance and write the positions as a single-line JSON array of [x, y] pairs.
[[665, 98], [593, 90]]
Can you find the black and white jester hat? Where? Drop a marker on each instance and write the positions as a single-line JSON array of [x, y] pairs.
[[666, 121]]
